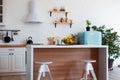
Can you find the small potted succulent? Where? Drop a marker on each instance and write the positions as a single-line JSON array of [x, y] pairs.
[[88, 23]]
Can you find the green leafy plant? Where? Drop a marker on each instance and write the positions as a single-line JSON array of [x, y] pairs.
[[88, 23], [110, 38]]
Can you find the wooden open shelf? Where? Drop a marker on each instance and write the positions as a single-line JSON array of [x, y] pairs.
[[58, 11], [62, 10], [59, 22]]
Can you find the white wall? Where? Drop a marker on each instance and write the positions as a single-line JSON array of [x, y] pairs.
[[99, 12]]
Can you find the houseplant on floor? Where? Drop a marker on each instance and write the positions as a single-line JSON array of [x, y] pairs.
[[112, 39]]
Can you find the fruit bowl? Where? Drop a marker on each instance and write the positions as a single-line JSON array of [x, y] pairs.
[[70, 40]]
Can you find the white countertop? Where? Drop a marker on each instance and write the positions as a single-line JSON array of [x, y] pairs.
[[67, 46]]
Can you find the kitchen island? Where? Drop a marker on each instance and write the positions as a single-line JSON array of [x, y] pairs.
[[66, 60]]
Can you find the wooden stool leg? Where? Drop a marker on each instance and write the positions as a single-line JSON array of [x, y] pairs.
[[93, 74], [83, 74]]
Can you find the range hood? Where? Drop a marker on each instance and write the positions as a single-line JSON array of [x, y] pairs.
[[33, 16]]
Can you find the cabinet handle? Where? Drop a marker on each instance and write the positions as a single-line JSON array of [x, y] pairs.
[[11, 53], [25, 57]]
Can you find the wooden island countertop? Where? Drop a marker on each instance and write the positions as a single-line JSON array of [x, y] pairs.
[[66, 60], [12, 45]]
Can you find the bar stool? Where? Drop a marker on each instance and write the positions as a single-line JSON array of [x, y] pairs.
[[44, 69], [87, 69]]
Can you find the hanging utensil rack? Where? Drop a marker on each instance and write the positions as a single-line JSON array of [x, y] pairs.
[[9, 30], [12, 30]]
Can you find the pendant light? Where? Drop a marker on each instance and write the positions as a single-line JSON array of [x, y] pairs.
[[33, 16]]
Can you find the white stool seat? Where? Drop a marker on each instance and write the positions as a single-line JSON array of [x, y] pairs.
[[87, 69], [87, 61], [43, 62], [43, 69]]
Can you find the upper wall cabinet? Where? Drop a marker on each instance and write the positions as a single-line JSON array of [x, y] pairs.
[[1, 13]]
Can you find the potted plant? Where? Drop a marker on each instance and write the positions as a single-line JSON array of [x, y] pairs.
[[88, 23], [112, 39]]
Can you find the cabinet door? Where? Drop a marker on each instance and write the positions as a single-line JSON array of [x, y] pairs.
[[18, 61], [5, 62]]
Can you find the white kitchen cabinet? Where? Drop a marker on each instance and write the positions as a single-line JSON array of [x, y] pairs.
[[5, 62], [12, 60], [18, 61]]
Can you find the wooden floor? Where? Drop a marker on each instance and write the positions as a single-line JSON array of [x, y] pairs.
[[114, 74]]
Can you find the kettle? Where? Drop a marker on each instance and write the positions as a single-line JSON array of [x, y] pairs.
[[29, 40]]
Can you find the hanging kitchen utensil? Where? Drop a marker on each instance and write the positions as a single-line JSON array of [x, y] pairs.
[[29, 40], [7, 39], [12, 39]]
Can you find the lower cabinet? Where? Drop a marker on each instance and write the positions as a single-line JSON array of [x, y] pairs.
[[18, 62], [12, 60]]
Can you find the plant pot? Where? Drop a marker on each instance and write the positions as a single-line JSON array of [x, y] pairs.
[[110, 64], [87, 28]]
